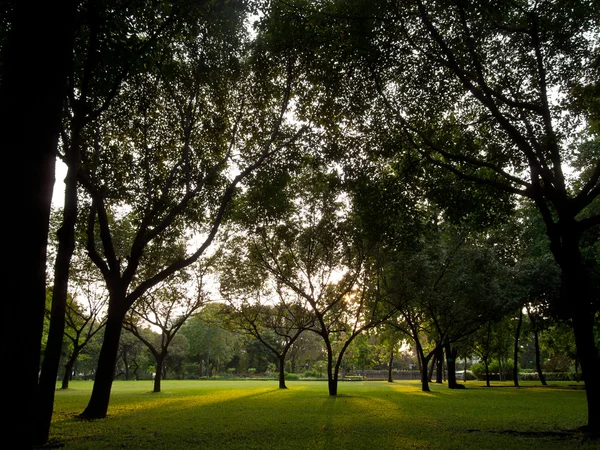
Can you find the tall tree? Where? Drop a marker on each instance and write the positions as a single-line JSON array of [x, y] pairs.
[[496, 109], [175, 149], [111, 42], [30, 97], [314, 253], [495, 93]]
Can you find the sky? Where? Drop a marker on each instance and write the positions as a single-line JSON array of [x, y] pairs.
[[58, 195]]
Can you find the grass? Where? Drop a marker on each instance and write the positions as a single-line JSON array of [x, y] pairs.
[[365, 415]]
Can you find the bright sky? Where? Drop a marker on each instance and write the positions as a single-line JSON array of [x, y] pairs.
[[58, 195]]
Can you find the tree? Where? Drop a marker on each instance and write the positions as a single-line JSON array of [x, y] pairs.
[[491, 71], [277, 325], [167, 308], [200, 122], [258, 305], [210, 343], [490, 92], [132, 354], [108, 47], [30, 42], [312, 253], [82, 325]]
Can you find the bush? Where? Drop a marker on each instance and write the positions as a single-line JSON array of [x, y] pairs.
[[291, 376], [310, 374], [478, 369], [551, 376]]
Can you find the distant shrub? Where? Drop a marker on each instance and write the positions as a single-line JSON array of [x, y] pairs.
[[291, 376], [354, 378], [271, 370], [252, 370], [310, 374], [469, 375], [550, 376], [478, 369]]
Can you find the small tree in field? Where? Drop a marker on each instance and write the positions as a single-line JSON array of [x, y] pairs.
[[166, 308]]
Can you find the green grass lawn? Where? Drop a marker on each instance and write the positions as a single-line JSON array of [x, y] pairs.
[[365, 415]]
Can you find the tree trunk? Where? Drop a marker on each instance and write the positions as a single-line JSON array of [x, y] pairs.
[[391, 365], [487, 372], [431, 369], [66, 246], [538, 363], [564, 243], [424, 361], [98, 404], [451, 363], [66, 377], [159, 373], [332, 382], [282, 372], [516, 355], [439, 358], [125, 362], [37, 56], [69, 369]]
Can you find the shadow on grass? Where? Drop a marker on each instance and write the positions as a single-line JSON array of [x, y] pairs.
[[581, 433]]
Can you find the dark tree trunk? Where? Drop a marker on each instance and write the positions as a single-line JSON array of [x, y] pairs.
[[159, 372], [66, 246], [439, 365], [451, 363], [391, 365], [423, 362], [332, 382], [282, 372], [564, 243], [487, 372], [67, 376], [125, 362], [538, 363], [516, 355], [431, 369], [37, 57], [69, 369], [98, 404]]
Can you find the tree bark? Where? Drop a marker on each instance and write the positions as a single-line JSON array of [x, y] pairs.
[[52, 355], [99, 400], [432, 367], [159, 372], [423, 361], [69, 368], [487, 372], [439, 358], [391, 365], [538, 363], [564, 244], [451, 363], [67, 375], [282, 372], [37, 58], [516, 354], [332, 382]]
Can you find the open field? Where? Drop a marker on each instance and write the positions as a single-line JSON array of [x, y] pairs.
[[366, 415]]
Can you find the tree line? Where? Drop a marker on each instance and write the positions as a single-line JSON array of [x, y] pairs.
[[429, 166]]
